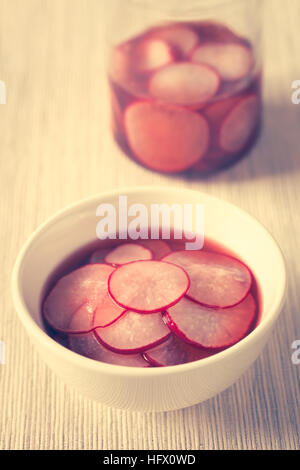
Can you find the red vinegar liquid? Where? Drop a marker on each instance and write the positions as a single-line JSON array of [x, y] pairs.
[[82, 257]]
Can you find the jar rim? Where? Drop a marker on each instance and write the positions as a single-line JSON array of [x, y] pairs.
[[183, 6]]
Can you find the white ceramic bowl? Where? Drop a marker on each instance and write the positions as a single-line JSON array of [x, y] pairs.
[[154, 389]]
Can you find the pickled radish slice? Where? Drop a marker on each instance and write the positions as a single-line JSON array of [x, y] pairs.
[[89, 316], [184, 84], [97, 257], [174, 351], [79, 293], [148, 286], [151, 54], [216, 280], [216, 115], [106, 312], [211, 328], [232, 61], [82, 320], [164, 137], [88, 345], [134, 333], [181, 38], [127, 253], [239, 125], [159, 248], [216, 112]]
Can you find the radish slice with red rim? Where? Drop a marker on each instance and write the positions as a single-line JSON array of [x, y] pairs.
[[89, 316], [211, 328], [148, 286], [134, 333], [164, 137], [159, 248], [216, 280], [88, 345], [82, 320], [106, 312], [240, 124], [174, 351], [128, 252], [185, 84], [181, 38], [215, 114], [71, 304], [150, 54], [233, 61], [217, 111]]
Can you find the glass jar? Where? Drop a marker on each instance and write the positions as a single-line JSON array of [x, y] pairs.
[[185, 81]]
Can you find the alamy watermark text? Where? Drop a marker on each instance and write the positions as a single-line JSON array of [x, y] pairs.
[[296, 353], [138, 221], [296, 93]]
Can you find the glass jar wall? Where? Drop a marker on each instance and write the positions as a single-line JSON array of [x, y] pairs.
[[185, 81]]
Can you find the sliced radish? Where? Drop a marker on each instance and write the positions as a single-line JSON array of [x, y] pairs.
[[174, 351], [239, 125], [185, 84], [232, 61], [148, 286], [181, 38], [216, 280], [106, 312], [150, 54], [98, 256], [89, 316], [159, 248], [216, 112], [82, 320], [127, 253], [211, 328], [88, 345], [78, 295], [164, 137], [134, 333]]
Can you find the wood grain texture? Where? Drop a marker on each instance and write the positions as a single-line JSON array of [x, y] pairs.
[[51, 154]]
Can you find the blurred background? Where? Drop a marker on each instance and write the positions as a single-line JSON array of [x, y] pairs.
[[53, 151]]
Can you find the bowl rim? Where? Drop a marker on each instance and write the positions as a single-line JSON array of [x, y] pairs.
[[37, 333]]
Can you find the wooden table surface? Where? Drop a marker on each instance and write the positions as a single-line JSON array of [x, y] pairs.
[[52, 154]]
